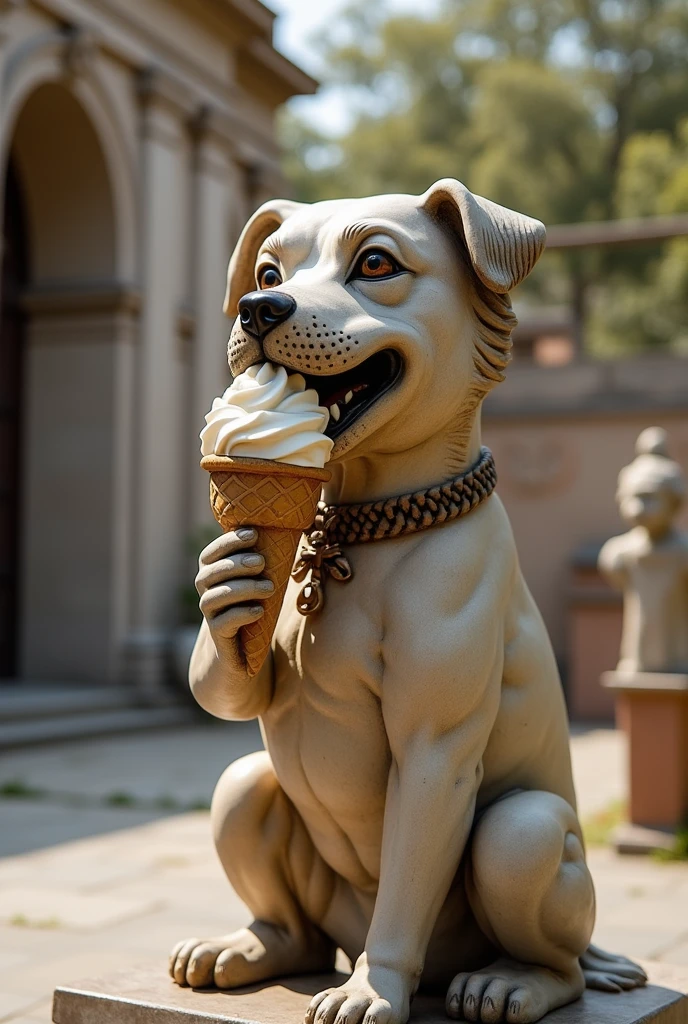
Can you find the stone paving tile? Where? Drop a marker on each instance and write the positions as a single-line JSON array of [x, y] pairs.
[[42, 907], [13, 1003], [659, 915], [677, 954], [598, 756], [640, 943], [11, 959], [35, 824], [183, 763], [44, 1018], [73, 865], [37, 985]]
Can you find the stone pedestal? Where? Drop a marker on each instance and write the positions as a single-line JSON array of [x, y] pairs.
[[652, 708], [146, 996]]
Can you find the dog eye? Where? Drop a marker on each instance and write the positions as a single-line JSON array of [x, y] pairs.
[[269, 277], [375, 264]]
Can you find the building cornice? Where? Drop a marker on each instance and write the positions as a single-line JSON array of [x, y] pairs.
[[134, 44], [287, 79], [60, 299], [253, 11]]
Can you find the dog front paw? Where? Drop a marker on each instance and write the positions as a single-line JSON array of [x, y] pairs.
[[372, 995]]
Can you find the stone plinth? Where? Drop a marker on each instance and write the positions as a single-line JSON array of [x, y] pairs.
[[652, 709], [146, 996]]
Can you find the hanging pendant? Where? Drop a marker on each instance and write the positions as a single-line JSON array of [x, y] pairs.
[[318, 558]]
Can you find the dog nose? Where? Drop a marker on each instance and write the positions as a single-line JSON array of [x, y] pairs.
[[259, 312]]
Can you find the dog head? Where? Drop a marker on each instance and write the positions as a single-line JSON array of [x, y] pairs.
[[394, 308]]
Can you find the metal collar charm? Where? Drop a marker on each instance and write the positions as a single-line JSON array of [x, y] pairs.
[[392, 517], [318, 556]]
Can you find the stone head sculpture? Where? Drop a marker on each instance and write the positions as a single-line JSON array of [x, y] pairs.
[[652, 488], [650, 562]]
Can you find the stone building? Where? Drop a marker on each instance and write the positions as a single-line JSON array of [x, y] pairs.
[[135, 138]]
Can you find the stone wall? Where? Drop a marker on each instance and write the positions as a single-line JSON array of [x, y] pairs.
[[560, 436]]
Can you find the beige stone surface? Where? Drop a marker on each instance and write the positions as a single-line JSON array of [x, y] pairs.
[[642, 905], [141, 996], [46, 907]]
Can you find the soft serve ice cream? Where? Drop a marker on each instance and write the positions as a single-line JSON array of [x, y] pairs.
[[265, 448], [268, 414]]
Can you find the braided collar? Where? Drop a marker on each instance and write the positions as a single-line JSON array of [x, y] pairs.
[[337, 525]]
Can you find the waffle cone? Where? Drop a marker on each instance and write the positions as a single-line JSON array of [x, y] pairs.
[[281, 501]]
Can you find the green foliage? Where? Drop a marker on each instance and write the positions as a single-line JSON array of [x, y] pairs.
[[120, 799], [679, 851], [15, 789], [568, 110], [645, 302], [546, 125], [599, 829]]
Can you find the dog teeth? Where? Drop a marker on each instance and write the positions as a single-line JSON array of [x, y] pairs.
[[347, 398], [334, 411]]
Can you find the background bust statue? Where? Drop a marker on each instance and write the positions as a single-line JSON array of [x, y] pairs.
[[650, 562]]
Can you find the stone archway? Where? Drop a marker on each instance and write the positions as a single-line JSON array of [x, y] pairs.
[[69, 197], [70, 413]]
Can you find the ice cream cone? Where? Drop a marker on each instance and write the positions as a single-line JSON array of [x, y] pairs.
[[280, 500]]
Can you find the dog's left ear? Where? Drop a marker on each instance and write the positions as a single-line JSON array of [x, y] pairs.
[[503, 245], [241, 271]]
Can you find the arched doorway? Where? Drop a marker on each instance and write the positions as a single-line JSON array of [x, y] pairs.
[[12, 330], [67, 417]]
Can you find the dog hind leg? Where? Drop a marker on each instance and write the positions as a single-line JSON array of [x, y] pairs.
[[531, 892], [270, 861]]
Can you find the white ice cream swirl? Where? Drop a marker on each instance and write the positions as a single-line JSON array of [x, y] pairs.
[[268, 414]]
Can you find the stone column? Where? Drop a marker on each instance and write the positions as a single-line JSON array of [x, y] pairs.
[[160, 424], [215, 228], [267, 183]]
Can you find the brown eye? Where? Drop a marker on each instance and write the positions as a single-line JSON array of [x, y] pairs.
[[376, 264], [268, 277]]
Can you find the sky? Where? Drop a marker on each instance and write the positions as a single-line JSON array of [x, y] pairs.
[[298, 22]]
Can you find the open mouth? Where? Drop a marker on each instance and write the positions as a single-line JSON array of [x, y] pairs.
[[348, 395]]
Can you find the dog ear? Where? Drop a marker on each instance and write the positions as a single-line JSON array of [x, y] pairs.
[[503, 245], [240, 273]]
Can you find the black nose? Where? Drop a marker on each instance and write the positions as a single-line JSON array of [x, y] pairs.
[[259, 312]]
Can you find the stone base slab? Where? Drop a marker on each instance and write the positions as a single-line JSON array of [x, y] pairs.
[[147, 996], [635, 839], [646, 682]]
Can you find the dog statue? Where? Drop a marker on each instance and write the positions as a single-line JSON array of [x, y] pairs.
[[414, 805]]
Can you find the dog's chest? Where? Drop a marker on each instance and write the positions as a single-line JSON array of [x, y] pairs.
[[324, 727]]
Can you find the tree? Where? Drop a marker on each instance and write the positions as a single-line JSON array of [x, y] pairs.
[[532, 102], [645, 301]]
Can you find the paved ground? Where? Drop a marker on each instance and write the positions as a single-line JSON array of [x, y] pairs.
[[89, 787], [108, 867]]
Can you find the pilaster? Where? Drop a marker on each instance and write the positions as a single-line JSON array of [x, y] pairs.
[[159, 434]]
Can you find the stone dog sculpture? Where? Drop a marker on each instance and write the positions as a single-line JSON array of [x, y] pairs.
[[415, 804]]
